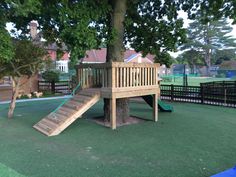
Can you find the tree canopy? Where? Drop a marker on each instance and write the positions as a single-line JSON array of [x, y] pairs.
[[150, 26], [207, 38]]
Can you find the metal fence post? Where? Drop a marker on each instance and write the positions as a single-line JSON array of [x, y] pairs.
[[172, 92], [202, 93], [53, 86]]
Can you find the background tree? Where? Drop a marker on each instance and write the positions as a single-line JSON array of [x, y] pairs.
[[191, 57], [164, 58], [223, 55], [209, 37], [26, 61]]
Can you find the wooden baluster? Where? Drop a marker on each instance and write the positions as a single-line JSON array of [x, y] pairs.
[[106, 80], [117, 77], [143, 77], [151, 76], [124, 76], [128, 74], [146, 76], [137, 76], [134, 72], [154, 76], [121, 76], [140, 76], [131, 77], [103, 78]]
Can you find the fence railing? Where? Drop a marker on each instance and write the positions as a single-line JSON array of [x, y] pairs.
[[118, 75], [213, 94], [64, 87]]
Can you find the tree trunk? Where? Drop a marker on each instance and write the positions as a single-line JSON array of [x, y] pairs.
[[115, 52], [208, 61], [15, 90]]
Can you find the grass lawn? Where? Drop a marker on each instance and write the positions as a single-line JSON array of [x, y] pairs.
[[193, 141], [193, 81]]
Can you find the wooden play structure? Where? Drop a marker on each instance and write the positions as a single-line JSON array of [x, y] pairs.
[[108, 80]]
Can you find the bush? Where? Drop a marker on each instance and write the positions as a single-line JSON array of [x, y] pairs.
[[51, 76]]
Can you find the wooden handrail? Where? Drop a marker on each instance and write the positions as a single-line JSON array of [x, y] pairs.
[[118, 64], [118, 74]]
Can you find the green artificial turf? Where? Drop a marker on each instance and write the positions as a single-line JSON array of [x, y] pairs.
[[8, 172], [193, 81], [193, 141]]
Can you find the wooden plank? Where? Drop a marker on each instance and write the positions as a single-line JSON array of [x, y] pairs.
[[145, 74], [49, 123], [143, 78], [124, 77], [113, 77], [140, 77], [41, 129], [136, 77], [121, 77], [57, 118], [65, 112], [68, 110], [44, 128], [131, 77], [72, 106], [105, 78], [151, 76], [128, 77], [117, 77], [81, 98], [154, 77]]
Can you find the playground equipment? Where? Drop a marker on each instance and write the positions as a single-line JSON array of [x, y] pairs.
[[108, 80], [161, 105], [227, 173]]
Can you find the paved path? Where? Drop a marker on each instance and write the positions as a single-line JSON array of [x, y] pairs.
[[37, 99]]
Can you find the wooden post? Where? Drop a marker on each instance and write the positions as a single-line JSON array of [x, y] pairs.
[[155, 107], [113, 113]]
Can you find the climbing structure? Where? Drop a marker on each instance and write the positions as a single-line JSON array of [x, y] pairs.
[[66, 114], [108, 80]]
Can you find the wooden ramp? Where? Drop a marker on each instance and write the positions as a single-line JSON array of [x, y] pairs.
[[54, 123]]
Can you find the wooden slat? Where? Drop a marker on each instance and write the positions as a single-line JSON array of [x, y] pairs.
[[117, 77], [131, 77], [128, 77], [151, 76], [72, 106], [124, 76]]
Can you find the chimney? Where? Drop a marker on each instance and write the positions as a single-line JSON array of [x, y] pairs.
[[33, 29]]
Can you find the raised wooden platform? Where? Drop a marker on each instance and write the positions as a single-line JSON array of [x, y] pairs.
[[109, 80]]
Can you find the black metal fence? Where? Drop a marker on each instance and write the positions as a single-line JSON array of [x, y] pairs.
[[213, 93], [64, 87]]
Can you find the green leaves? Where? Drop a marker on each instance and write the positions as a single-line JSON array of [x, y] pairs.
[[26, 60], [6, 48]]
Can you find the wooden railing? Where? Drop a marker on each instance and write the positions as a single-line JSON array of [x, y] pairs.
[[118, 75]]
